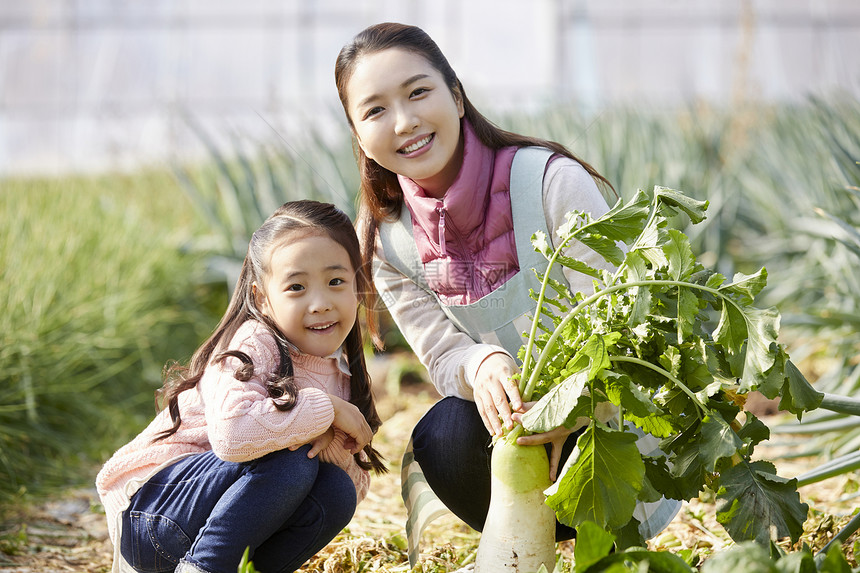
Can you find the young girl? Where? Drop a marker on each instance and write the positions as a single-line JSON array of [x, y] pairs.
[[266, 438], [454, 267]]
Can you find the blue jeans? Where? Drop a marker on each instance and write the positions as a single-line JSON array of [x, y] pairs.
[[453, 448], [284, 506]]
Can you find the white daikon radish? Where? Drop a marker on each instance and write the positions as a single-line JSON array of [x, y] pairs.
[[519, 534]]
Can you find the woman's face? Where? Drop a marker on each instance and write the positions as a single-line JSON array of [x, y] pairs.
[[406, 118]]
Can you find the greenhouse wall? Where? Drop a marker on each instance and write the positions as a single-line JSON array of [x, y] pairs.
[[89, 85]]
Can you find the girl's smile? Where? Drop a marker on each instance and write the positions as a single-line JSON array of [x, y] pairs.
[[406, 118], [309, 292]]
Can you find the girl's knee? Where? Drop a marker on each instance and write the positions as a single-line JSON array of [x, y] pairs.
[[335, 492], [290, 467]]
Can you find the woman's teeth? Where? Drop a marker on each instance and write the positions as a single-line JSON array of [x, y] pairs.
[[321, 327], [417, 145]]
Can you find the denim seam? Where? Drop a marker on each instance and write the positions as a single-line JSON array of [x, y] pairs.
[[159, 548], [136, 538]]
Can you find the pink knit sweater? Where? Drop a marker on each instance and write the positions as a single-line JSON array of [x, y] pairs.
[[237, 420]]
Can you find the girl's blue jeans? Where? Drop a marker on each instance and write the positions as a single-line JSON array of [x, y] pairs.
[[452, 446], [284, 506]]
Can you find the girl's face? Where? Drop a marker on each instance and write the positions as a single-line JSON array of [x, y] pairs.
[[406, 118], [310, 292]]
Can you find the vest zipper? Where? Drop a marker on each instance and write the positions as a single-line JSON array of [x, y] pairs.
[[440, 208], [458, 238]]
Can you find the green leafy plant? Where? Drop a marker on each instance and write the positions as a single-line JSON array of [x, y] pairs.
[[674, 349], [246, 565], [595, 555], [773, 175], [753, 558]]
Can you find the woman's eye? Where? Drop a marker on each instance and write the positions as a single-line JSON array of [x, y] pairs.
[[419, 91], [336, 282], [373, 111], [295, 288]]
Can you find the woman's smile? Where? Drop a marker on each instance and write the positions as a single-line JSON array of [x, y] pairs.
[[413, 147]]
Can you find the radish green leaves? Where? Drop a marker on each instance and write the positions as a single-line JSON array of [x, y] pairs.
[[667, 347]]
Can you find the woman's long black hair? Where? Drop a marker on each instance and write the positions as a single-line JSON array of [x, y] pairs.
[[311, 217]]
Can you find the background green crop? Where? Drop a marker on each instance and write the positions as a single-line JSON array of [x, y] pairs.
[[97, 295]]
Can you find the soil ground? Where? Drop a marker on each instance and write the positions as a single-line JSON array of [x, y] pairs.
[[69, 534]]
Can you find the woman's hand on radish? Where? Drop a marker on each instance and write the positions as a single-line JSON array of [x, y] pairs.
[[496, 395], [556, 437]]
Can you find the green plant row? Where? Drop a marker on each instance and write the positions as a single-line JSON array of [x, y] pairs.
[[97, 296]]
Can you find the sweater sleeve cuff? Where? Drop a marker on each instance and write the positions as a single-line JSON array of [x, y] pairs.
[[475, 358], [335, 452]]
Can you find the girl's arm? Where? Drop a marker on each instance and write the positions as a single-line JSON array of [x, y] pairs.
[[242, 420], [349, 420], [319, 443]]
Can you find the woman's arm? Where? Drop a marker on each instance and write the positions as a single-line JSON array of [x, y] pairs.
[[452, 358], [458, 366], [567, 186]]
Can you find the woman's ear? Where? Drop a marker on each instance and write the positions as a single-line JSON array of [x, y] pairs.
[[457, 94], [260, 299]]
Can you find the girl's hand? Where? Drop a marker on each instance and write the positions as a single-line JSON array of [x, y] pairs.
[[496, 395], [321, 442], [348, 417], [556, 437]]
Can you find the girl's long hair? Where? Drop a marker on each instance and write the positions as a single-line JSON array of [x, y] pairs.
[[381, 196], [302, 216]]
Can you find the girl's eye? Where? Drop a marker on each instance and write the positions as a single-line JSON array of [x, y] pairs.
[[336, 282], [295, 287], [419, 91]]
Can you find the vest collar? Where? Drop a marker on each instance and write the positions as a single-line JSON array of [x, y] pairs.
[[465, 200]]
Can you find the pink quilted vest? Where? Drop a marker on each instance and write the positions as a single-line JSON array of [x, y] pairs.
[[466, 240]]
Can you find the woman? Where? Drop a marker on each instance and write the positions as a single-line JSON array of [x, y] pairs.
[[454, 267]]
